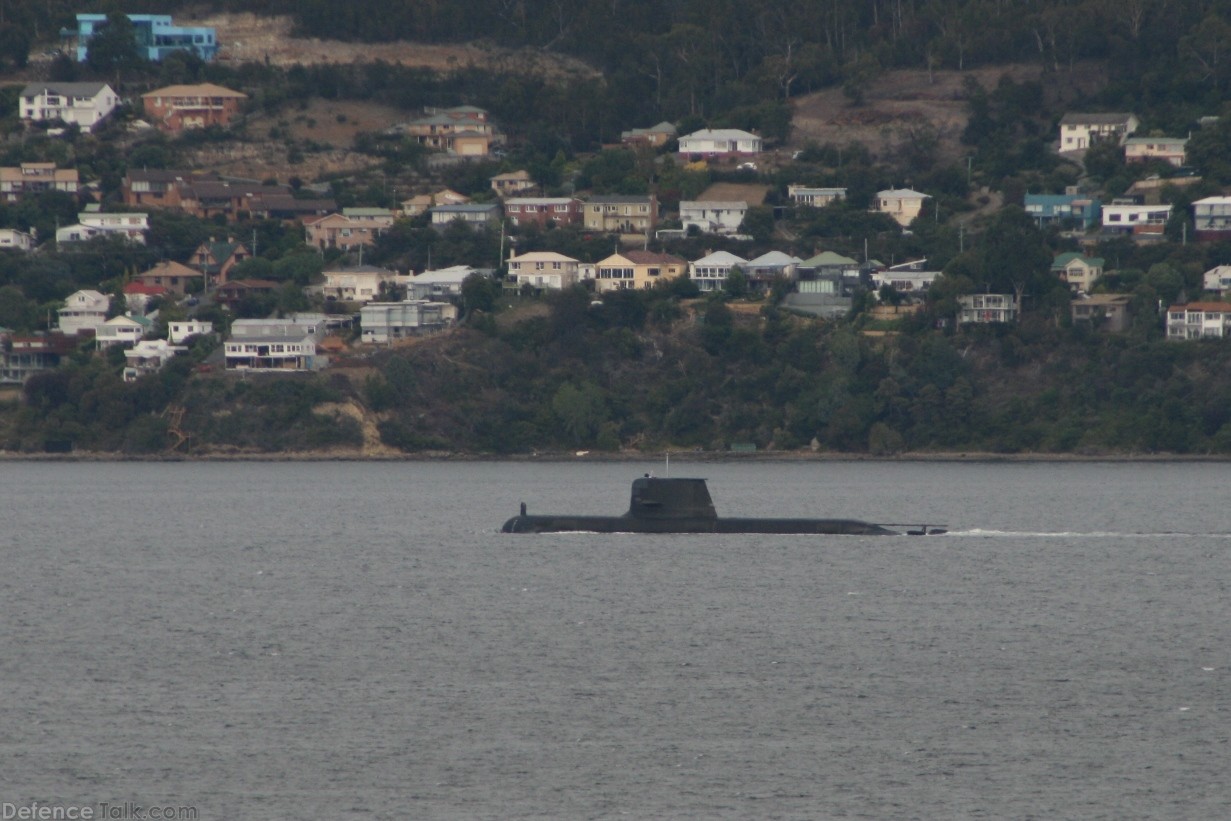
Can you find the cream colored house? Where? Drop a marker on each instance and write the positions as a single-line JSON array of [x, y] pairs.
[[902, 204], [1080, 131], [544, 269], [1080, 272], [636, 269], [621, 214], [361, 283]]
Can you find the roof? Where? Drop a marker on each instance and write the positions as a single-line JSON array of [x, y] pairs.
[[541, 256], [620, 199], [828, 259], [66, 89], [366, 212], [466, 208], [720, 258], [1078, 118], [142, 288], [1064, 259], [902, 194], [360, 269], [1205, 307], [1105, 299], [775, 258], [651, 257], [198, 90], [720, 134], [540, 201], [170, 268], [730, 205], [1153, 140], [452, 274]]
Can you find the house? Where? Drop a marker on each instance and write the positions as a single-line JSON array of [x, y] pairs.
[[543, 269], [636, 269], [383, 322], [158, 188], [175, 277], [542, 211], [764, 270], [81, 104], [178, 332], [148, 356], [281, 203], [1120, 217], [23, 356], [215, 259], [713, 217], [1212, 218], [829, 266], [1080, 272], [83, 311], [17, 240], [181, 107], [130, 226], [815, 197], [348, 230], [1108, 313], [156, 36], [138, 296], [462, 130], [621, 214], [1199, 320], [473, 215], [1154, 189], [122, 330], [445, 283], [36, 178], [902, 204], [906, 278], [359, 283], [1168, 149], [274, 345], [1085, 212], [984, 309], [711, 271], [422, 203], [653, 137], [720, 142], [1080, 131], [234, 291], [512, 183]]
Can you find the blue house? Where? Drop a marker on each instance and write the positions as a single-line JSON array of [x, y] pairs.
[[1049, 208], [157, 36]]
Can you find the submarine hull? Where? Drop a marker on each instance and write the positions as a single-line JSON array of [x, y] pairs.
[[630, 524]]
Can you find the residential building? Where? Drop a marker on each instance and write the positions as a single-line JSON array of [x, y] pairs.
[[216, 259], [1079, 271], [1130, 218], [1083, 211], [36, 178], [148, 356], [1199, 320], [234, 291], [348, 230], [178, 332], [359, 283], [24, 355], [463, 131], [268, 202], [764, 270], [473, 215], [442, 284], [156, 36], [122, 330], [720, 142], [815, 197], [138, 296], [907, 278], [272, 345], [542, 211], [1168, 149], [83, 311], [828, 273], [158, 188], [902, 204], [713, 217], [175, 277], [636, 269], [512, 183], [1080, 131], [543, 269], [81, 104], [711, 271], [621, 214], [384, 322], [653, 137], [130, 226], [422, 203], [181, 107], [17, 240], [1212, 218], [984, 309], [1108, 313]]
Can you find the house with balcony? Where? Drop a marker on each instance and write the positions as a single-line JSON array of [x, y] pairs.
[[543, 211], [352, 228], [719, 143], [463, 131], [712, 217], [276, 344], [84, 105], [1080, 272], [384, 322], [148, 357], [1212, 219], [907, 278], [902, 204], [130, 226], [442, 284], [473, 215], [710, 272], [125, 331], [814, 197], [987, 309], [178, 108], [1082, 211], [1106, 313], [24, 355], [544, 269], [771, 266], [358, 283], [176, 278], [1199, 320], [155, 35], [83, 311], [30, 178], [1168, 149], [1120, 217], [636, 270], [1079, 131], [637, 214]]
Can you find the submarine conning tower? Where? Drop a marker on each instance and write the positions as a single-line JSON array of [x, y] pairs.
[[670, 499]]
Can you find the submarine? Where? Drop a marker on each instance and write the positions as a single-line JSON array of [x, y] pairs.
[[685, 506]]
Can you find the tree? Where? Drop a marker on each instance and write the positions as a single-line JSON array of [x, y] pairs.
[[479, 293], [581, 410], [113, 48]]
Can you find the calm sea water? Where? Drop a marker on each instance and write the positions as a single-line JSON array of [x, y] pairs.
[[357, 641]]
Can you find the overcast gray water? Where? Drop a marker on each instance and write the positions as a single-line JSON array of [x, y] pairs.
[[357, 641]]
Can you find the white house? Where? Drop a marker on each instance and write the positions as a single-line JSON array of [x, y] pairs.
[[17, 240], [99, 223], [82, 104], [772, 265], [444, 282], [148, 356], [1212, 218], [815, 197], [383, 322], [1168, 149], [83, 311], [1080, 131], [1199, 320], [360, 283], [1131, 218], [906, 277], [276, 344], [713, 217], [902, 204], [474, 215], [711, 271], [544, 269], [983, 309], [122, 330], [720, 142], [178, 332]]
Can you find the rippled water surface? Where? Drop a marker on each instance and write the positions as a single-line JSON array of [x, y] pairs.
[[358, 641]]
